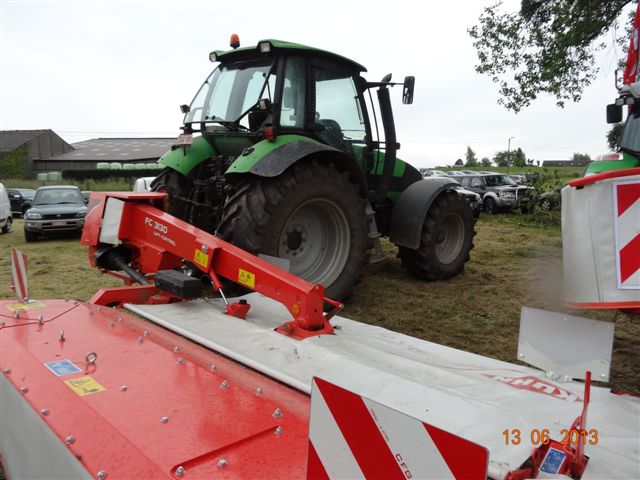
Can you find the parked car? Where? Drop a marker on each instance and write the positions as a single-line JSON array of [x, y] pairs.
[[550, 200], [474, 199], [21, 199], [519, 179], [436, 173], [455, 174], [499, 192], [6, 220], [55, 210]]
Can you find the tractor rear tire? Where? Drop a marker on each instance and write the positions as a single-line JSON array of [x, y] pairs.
[[312, 215], [446, 240]]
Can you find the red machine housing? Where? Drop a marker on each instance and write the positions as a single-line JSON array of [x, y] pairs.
[[154, 240]]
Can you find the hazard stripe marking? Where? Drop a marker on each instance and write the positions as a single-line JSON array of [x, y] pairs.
[[354, 437], [457, 452], [329, 444], [19, 274], [361, 434], [628, 194], [414, 450], [315, 470], [628, 224], [630, 259], [627, 234]]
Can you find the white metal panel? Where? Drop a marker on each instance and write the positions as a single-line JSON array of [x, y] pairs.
[[111, 221], [468, 395], [30, 450], [565, 345]]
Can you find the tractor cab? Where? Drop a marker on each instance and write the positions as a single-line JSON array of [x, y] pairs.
[[629, 143], [279, 88]]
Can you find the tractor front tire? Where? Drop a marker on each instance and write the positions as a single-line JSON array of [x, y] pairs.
[[311, 215], [446, 240]]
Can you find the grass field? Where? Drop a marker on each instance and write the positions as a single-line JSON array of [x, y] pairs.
[[516, 262]]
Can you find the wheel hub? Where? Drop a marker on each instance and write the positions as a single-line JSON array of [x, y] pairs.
[[294, 239], [449, 238], [316, 240]]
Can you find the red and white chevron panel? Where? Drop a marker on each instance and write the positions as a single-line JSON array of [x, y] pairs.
[[19, 274], [353, 437], [627, 209]]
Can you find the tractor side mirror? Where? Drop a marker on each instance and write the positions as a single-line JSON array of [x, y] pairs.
[[614, 113], [185, 108], [407, 90]]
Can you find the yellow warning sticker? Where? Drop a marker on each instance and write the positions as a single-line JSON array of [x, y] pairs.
[[201, 258], [247, 279], [32, 305], [84, 385]]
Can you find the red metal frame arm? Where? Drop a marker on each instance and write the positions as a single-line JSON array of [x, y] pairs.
[[159, 240]]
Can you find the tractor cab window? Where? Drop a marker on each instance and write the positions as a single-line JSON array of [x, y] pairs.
[[230, 91], [338, 117], [293, 94], [630, 139]]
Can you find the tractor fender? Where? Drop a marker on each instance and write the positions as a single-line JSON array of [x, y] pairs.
[[270, 159], [411, 207], [184, 158]]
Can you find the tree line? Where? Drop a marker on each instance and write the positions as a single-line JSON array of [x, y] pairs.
[[508, 158]]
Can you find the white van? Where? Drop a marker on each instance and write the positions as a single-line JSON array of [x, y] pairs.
[[5, 211]]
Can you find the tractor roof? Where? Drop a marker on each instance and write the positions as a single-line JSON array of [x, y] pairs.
[[282, 45]]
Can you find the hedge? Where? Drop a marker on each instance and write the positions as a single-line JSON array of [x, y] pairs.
[[99, 174], [14, 163]]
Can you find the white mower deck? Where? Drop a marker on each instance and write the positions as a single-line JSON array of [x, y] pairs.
[[469, 395]]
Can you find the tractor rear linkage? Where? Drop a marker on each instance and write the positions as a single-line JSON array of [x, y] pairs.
[[132, 233]]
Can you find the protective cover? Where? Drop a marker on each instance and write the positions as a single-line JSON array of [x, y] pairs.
[[601, 242], [468, 395]]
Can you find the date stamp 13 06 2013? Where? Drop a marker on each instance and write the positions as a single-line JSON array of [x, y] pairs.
[[537, 436]]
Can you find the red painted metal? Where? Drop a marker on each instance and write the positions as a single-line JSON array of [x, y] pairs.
[[238, 309], [158, 241], [623, 172], [215, 409], [116, 297]]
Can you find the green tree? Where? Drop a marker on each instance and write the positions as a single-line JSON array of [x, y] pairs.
[[613, 135], [485, 162], [459, 163], [581, 157], [548, 46], [501, 158], [518, 158], [470, 157]]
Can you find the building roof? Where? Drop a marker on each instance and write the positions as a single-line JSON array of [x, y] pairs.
[[12, 139], [116, 150]]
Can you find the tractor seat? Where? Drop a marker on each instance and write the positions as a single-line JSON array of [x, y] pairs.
[[332, 134]]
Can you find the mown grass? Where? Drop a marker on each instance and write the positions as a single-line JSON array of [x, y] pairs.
[[517, 262]]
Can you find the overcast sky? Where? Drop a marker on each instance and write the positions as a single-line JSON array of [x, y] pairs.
[[120, 68]]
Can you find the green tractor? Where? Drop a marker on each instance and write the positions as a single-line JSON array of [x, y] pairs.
[[291, 163], [629, 142]]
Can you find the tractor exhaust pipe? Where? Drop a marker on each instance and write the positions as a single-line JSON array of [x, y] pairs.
[[390, 143]]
